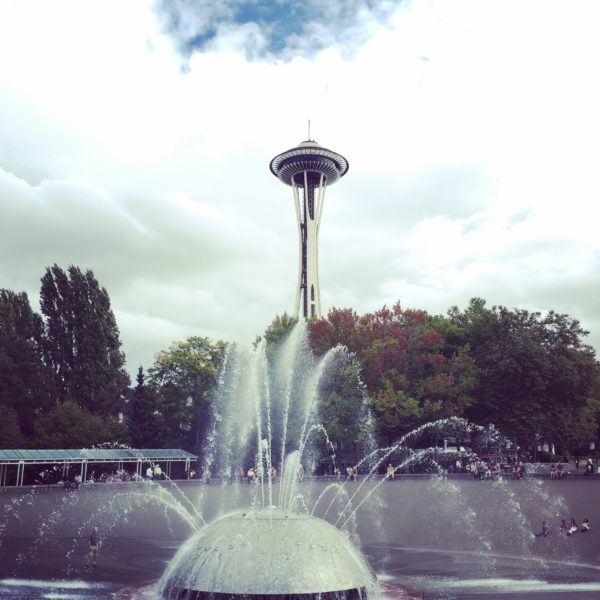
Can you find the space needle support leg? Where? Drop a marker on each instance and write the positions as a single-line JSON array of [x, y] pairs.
[[321, 200], [308, 246], [311, 289], [299, 221]]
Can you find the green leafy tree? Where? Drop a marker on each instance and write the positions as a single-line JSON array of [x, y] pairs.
[[344, 405], [537, 377], [22, 374], [81, 341], [183, 377], [277, 332], [68, 425], [395, 407]]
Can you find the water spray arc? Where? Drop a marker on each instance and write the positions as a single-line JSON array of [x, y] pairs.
[[308, 169]]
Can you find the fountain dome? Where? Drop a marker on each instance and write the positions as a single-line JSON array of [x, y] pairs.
[[268, 553]]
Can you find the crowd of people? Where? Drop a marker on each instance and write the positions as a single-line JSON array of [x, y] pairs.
[[566, 528], [479, 468], [488, 468]]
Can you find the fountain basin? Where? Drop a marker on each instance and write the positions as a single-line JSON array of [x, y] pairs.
[[268, 552]]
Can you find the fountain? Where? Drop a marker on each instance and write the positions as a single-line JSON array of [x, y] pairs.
[[287, 533], [267, 553], [269, 550]]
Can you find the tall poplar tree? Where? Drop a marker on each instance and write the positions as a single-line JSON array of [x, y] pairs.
[[81, 343], [22, 389]]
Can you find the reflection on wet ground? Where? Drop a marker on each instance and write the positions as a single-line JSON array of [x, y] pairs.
[[443, 575], [404, 574]]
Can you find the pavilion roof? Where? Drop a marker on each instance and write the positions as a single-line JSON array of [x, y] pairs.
[[94, 455]]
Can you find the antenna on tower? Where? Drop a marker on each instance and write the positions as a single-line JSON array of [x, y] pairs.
[[308, 138]]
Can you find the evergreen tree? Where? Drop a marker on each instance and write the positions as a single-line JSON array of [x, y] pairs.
[[22, 388], [10, 431], [81, 342], [146, 425]]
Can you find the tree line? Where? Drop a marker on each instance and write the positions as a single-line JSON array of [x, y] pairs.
[[63, 382], [530, 374]]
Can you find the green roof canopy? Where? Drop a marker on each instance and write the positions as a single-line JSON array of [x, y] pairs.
[[93, 455]]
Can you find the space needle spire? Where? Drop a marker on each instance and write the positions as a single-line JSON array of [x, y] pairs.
[[308, 169]]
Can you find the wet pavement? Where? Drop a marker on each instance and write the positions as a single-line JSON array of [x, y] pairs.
[[425, 539]]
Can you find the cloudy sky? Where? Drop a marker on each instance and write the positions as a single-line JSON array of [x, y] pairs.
[[135, 139]]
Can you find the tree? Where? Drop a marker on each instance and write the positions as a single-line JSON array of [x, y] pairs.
[[339, 327], [277, 332], [537, 378], [344, 406], [81, 341], [22, 385], [403, 366], [68, 425], [146, 426], [183, 377], [10, 431]]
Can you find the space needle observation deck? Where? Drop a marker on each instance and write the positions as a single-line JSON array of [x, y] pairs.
[[308, 169]]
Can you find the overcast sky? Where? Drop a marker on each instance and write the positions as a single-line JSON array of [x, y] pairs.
[[135, 140]]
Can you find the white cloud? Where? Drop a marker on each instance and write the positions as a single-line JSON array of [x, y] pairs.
[[471, 130]]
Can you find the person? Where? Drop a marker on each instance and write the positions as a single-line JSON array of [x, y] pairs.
[[586, 526], [94, 543], [273, 473], [487, 471], [206, 475], [560, 470], [391, 471], [354, 473], [149, 472], [563, 526], [251, 475], [589, 467], [573, 528], [553, 472], [157, 472], [545, 530]]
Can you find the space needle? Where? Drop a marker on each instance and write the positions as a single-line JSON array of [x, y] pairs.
[[308, 169]]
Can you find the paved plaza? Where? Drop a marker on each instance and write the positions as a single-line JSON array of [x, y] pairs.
[[416, 532]]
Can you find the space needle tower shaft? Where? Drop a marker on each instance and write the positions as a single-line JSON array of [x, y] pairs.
[[308, 169]]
